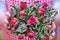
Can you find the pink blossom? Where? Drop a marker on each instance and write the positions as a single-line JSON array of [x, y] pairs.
[[22, 13], [31, 20], [31, 34], [12, 29], [20, 36], [41, 11], [48, 26], [13, 21]]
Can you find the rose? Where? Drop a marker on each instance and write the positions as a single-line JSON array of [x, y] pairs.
[[44, 4], [20, 36], [31, 20], [41, 11], [12, 29], [13, 21], [31, 34], [22, 13], [23, 5], [8, 14], [27, 31], [48, 26], [46, 38]]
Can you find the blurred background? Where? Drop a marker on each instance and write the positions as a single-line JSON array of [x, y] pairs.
[[57, 6]]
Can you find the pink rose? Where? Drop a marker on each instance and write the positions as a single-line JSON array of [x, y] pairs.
[[13, 21], [31, 20], [41, 11], [12, 29], [48, 26], [31, 34], [22, 13], [20, 36], [44, 4], [46, 38]]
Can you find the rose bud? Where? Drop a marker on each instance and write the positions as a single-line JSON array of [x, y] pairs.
[[13, 21], [44, 4], [48, 26], [22, 13], [31, 34], [41, 11], [20, 36], [23, 5]]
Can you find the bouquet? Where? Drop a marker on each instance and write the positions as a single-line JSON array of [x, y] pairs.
[[33, 22]]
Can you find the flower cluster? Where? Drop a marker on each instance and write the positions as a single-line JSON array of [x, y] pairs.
[[34, 21]]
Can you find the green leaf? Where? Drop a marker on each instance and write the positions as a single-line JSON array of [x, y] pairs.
[[38, 6], [41, 35], [21, 28], [13, 10]]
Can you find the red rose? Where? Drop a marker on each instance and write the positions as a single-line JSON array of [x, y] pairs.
[[46, 38], [44, 4], [31, 34], [41, 11], [29, 22], [23, 5], [22, 13], [13, 21]]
